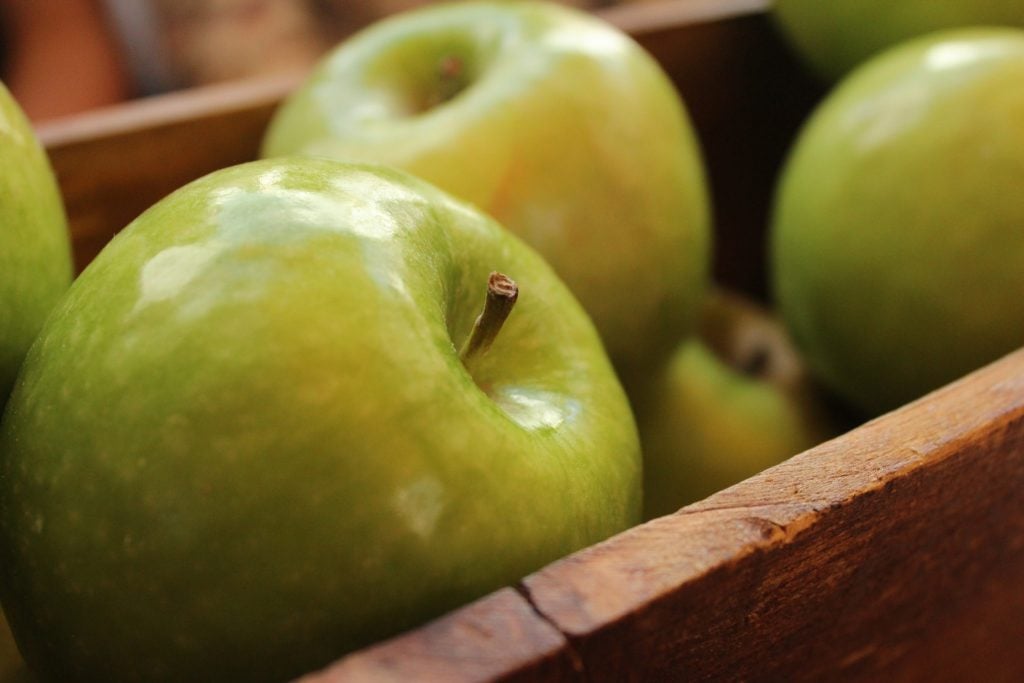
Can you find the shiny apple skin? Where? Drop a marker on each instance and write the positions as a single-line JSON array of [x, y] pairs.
[[565, 131], [244, 443], [836, 36], [731, 402], [35, 252], [897, 239]]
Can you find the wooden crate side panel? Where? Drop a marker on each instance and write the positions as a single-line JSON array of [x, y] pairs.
[[747, 97], [873, 556], [499, 637]]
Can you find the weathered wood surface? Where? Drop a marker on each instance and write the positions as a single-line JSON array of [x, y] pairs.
[[500, 637], [870, 557], [894, 552]]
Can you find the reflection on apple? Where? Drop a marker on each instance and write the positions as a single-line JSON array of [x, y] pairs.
[[246, 440], [551, 121], [731, 402]]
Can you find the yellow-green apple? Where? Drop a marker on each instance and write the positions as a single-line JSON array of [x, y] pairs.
[[35, 253], [550, 120], [897, 240], [267, 425], [731, 402], [837, 35]]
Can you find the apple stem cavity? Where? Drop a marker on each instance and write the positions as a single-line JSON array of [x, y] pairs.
[[756, 363], [502, 293], [451, 72]]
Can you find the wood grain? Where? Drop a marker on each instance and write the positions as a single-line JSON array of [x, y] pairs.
[[895, 552], [499, 637]]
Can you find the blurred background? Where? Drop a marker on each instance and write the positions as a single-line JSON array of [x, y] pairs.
[[99, 52]]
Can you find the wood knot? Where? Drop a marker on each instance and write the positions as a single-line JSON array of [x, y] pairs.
[[768, 529]]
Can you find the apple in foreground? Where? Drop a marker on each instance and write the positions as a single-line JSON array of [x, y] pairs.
[[897, 241], [550, 120], [836, 36], [35, 253], [267, 425], [733, 401]]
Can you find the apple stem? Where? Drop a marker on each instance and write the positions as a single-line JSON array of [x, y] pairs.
[[502, 293]]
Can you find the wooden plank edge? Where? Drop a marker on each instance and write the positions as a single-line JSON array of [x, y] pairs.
[[917, 467], [202, 102], [643, 18], [499, 637], [174, 108]]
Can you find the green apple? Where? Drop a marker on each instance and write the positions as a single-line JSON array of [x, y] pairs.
[[836, 35], [244, 442], [897, 241], [35, 253], [551, 121], [730, 403]]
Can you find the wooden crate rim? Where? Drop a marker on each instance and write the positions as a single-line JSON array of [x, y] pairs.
[[175, 107]]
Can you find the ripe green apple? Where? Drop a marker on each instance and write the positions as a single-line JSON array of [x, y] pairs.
[[35, 253], [244, 442], [837, 35], [551, 121], [897, 241], [731, 402]]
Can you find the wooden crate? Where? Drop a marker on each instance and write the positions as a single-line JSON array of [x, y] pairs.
[[895, 552]]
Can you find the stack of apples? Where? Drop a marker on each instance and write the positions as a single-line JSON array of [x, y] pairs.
[[456, 324], [307, 402]]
